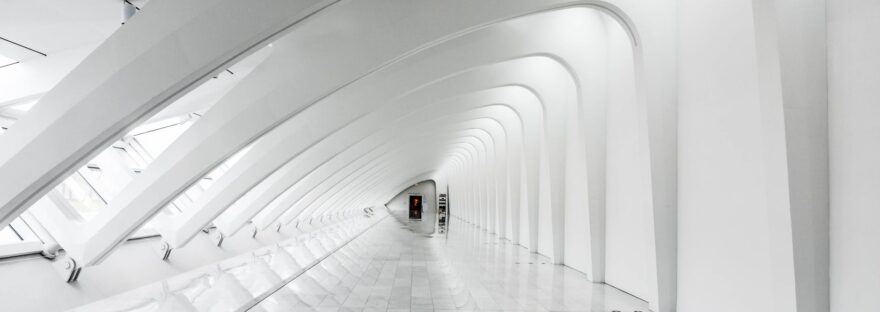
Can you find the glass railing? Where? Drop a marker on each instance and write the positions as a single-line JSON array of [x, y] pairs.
[[242, 282]]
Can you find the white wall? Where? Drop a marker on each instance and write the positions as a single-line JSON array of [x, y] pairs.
[[524, 214], [802, 62], [734, 228], [578, 224], [545, 228], [629, 258], [854, 127]]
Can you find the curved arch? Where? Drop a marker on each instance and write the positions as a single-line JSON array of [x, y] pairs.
[[416, 115], [276, 154], [479, 141], [166, 181]]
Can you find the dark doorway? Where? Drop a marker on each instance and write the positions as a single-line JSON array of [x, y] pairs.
[[415, 207]]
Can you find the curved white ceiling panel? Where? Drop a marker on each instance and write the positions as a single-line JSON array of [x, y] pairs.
[[351, 132], [137, 200], [235, 217], [176, 45]]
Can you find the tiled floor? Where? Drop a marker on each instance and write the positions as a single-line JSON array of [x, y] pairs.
[[393, 268]]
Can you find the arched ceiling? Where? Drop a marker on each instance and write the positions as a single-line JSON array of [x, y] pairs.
[[352, 102], [281, 103]]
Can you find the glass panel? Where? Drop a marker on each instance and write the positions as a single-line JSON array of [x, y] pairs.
[[17, 232], [90, 188], [192, 194], [156, 141], [107, 173], [81, 196], [8, 236], [132, 160]]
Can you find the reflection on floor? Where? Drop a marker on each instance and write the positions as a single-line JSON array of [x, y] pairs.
[[241, 282], [424, 226], [393, 268]]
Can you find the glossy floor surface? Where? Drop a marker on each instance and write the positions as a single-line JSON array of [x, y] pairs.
[[394, 267]]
